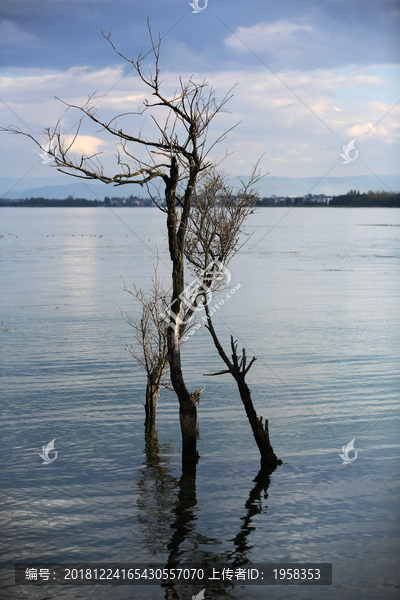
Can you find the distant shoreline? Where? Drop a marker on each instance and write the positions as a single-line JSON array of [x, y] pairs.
[[101, 205], [352, 199]]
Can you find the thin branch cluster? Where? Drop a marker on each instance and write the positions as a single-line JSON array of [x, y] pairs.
[[150, 329], [216, 223]]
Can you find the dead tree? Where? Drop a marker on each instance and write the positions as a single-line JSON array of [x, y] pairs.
[[177, 157], [150, 332], [215, 231], [239, 368]]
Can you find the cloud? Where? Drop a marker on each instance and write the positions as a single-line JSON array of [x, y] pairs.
[[357, 130], [33, 91], [12, 37], [84, 144], [378, 132], [306, 40], [263, 35], [285, 45], [273, 121]]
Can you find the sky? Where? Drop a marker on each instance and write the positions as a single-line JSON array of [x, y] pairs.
[[310, 76]]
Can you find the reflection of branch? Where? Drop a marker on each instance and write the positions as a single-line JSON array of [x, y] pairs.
[[183, 530], [162, 496], [157, 492], [253, 507], [183, 525]]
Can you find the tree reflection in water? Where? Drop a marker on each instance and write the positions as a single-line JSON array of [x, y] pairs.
[[158, 493], [163, 498]]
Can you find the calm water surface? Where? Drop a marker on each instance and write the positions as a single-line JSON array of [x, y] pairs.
[[319, 308]]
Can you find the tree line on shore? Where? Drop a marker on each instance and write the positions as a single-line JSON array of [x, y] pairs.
[[353, 198]]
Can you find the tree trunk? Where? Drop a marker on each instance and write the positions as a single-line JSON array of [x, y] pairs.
[[152, 391], [269, 460], [151, 440], [187, 408]]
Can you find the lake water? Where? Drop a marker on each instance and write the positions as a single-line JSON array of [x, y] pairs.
[[318, 305]]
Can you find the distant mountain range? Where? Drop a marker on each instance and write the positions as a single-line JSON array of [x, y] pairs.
[[11, 189]]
